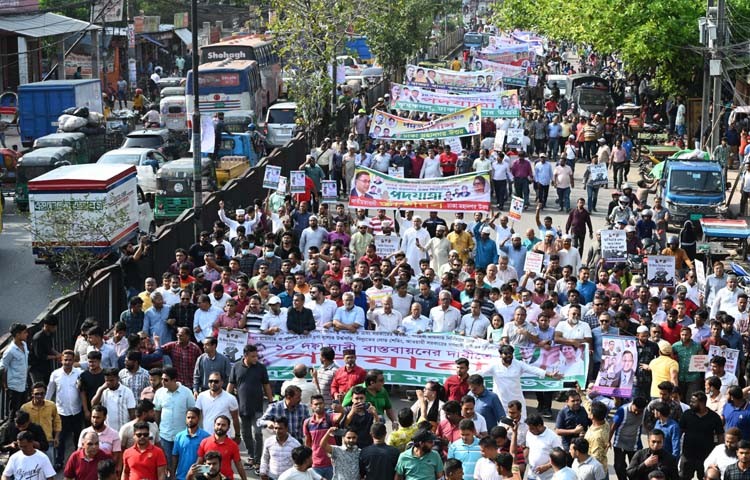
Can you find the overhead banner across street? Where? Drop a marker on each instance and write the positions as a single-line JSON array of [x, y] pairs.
[[405, 359], [463, 123], [385, 125], [460, 193], [504, 103]]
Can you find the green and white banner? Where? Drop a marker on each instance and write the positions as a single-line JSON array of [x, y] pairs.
[[504, 104], [453, 81], [405, 359]]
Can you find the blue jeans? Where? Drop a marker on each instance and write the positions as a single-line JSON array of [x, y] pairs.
[[563, 195], [167, 446], [554, 148], [325, 472], [593, 196]]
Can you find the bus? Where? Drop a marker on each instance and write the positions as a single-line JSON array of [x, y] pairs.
[[250, 47], [229, 86]]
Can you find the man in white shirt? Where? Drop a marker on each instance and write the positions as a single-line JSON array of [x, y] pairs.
[[308, 388], [63, 388], [274, 321], [28, 463], [541, 441], [414, 241], [726, 298], [204, 318], [416, 322], [385, 319], [117, 398], [322, 308], [444, 318], [573, 331], [215, 402], [724, 454]]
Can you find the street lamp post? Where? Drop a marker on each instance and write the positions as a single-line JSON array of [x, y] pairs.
[[196, 119]]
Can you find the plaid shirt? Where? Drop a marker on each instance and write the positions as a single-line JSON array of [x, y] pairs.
[[296, 417], [183, 359], [135, 381], [733, 472]]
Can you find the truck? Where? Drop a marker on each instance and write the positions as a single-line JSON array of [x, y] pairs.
[[357, 45], [103, 200], [590, 93], [693, 187], [40, 104]]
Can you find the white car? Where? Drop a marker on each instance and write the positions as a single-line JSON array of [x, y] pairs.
[[280, 123], [138, 157], [562, 83]]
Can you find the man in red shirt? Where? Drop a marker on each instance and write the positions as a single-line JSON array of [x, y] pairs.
[[456, 386], [345, 378], [143, 461], [448, 161], [230, 452], [83, 462]]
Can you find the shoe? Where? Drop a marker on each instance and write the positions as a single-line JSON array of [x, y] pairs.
[[256, 470], [547, 413]]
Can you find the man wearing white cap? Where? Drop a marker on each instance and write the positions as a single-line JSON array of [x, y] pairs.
[[414, 242], [242, 219], [312, 236], [438, 248], [515, 252], [360, 240], [274, 321], [486, 249]]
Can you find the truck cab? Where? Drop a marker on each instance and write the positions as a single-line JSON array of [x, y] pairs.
[[693, 189]]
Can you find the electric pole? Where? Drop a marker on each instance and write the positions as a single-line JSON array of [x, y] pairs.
[[196, 120]]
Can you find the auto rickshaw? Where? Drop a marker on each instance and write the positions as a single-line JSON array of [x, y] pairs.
[[173, 113], [75, 140], [36, 163], [174, 187]]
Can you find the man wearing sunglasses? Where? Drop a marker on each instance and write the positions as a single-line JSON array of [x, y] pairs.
[[143, 460]]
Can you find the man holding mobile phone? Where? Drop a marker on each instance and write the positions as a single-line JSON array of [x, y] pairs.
[[210, 469]]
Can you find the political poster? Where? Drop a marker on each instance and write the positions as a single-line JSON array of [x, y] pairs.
[[533, 80], [451, 80], [297, 181], [516, 55], [660, 270], [396, 172], [497, 146], [385, 125], [731, 354], [533, 262], [514, 138], [468, 192], [503, 69], [698, 363], [271, 177], [329, 192], [386, 244], [598, 175], [700, 272], [614, 246], [455, 144], [283, 184], [463, 123], [516, 208], [619, 361], [231, 342], [409, 359], [505, 103]]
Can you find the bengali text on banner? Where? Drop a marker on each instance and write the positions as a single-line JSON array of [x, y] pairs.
[[463, 123], [404, 359], [453, 81], [385, 125], [494, 104], [469, 192]]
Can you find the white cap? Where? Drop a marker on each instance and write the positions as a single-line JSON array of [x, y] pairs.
[[274, 300], [486, 230], [641, 329], [385, 223], [240, 212], [629, 228], [362, 224], [601, 140], [313, 217], [567, 237]]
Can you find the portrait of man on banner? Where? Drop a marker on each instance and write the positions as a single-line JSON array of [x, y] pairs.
[[617, 371]]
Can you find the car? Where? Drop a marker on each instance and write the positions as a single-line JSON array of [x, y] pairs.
[[161, 139], [173, 92], [137, 157], [171, 82], [280, 123]]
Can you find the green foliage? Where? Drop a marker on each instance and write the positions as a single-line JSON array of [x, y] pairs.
[[78, 10], [650, 35]]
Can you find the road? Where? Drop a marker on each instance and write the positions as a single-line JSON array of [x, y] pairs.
[[26, 288]]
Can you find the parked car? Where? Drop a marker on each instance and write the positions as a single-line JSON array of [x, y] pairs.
[[280, 123], [170, 144], [138, 158]]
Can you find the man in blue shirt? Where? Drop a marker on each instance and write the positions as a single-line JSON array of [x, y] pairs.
[[572, 420], [466, 449], [669, 427], [185, 449], [736, 412], [486, 403], [554, 130], [349, 317], [486, 248], [543, 177], [585, 287]]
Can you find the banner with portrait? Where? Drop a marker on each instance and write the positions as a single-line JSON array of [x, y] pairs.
[[617, 370], [660, 271], [516, 55], [385, 125], [407, 359], [329, 191], [503, 70], [463, 123], [469, 192], [598, 175], [504, 103], [451, 80], [271, 177]]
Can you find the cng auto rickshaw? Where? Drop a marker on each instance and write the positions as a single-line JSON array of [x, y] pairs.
[[174, 187], [36, 163], [173, 113], [75, 140]]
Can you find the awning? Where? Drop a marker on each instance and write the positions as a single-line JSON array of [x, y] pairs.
[[152, 40], [185, 35], [43, 25]]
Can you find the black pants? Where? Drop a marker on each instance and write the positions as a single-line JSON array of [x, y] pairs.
[[578, 239], [15, 400], [543, 192], [621, 465], [501, 191], [71, 425], [544, 401], [689, 466]]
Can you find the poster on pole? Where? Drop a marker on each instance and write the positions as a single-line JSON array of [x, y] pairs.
[[328, 187], [298, 181], [516, 208], [283, 184], [232, 341], [271, 177], [533, 262], [700, 273], [614, 246], [514, 138], [598, 175], [619, 360], [660, 271], [386, 244], [731, 354], [499, 141], [396, 172]]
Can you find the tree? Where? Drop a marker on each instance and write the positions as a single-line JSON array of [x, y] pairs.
[[309, 34], [397, 29]]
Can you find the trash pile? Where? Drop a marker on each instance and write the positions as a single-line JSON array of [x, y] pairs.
[[80, 119]]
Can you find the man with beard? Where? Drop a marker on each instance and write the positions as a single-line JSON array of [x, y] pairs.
[[724, 455], [143, 460], [438, 247], [109, 439], [185, 450], [653, 457], [647, 351], [420, 462], [345, 458], [228, 449], [215, 402], [700, 426], [118, 399], [740, 469], [625, 433]]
